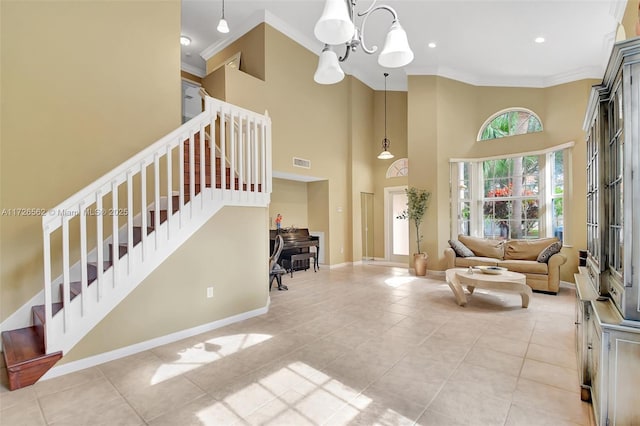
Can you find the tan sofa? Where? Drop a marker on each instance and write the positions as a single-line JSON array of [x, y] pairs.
[[515, 255]]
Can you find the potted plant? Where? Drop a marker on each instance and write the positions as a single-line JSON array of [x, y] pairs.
[[417, 202]]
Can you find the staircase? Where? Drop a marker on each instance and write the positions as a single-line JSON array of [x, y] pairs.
[[135, 217]]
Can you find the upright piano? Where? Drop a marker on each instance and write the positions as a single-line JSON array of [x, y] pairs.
[[296, 253]]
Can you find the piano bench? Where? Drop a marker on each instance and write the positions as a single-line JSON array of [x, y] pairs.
[[301, 257]]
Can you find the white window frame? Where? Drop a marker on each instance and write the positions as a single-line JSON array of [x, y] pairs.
[[545, 188], [504, 111]]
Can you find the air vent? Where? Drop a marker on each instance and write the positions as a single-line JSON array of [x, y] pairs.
[[301, 162]]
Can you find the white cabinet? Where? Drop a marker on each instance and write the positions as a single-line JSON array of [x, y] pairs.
[[612, 124], [608, 296], [608, 357]]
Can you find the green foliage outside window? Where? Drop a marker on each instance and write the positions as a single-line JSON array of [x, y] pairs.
[[510, 123]]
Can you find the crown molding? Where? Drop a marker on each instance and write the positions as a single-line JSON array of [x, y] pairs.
[[371, 79], [256, 19], [312, 45], [237, 31], [514, 81], [192, 70]]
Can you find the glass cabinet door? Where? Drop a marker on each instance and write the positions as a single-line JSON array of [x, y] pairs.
[[614, 184]]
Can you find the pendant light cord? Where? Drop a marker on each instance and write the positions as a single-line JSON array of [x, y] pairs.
[[222, 9], [385, 108]]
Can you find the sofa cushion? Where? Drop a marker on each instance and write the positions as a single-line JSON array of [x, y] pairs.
[[551, 249], [525, 266], [483, 247], [526, 249], [465, 262], [460, 249]]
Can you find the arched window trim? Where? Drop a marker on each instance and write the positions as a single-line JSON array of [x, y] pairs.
[[499, 113], [398, 168]]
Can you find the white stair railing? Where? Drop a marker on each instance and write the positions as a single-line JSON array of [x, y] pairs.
[[221, 157]]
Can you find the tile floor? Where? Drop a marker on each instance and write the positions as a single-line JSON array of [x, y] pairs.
[[358, 345]]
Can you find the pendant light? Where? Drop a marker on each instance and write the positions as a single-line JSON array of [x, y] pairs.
[[223, 26], [385, 154]]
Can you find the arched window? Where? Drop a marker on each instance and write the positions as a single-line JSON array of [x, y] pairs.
[[398, 168], [510, 122]]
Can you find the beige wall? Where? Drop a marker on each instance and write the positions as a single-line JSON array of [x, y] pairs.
[[251, 46], [397, 134], [362, 153], [173, 298], [316, 130], [444, 119], [75, 107], [215, 82], [318, 208], [631, 19], [289, 198], [190, 77]]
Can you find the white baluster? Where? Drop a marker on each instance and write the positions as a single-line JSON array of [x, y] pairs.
[[143, 206], [240, 143], [181, 178], [266, 141], [232, 148], [116, 238], [66, 299], [169, 191], [203, 168], [254, 173], [116, 250], [212, 152], [156, 188], [83, 257], [223, 151], [48, 300], [192, 173], [100, 241]]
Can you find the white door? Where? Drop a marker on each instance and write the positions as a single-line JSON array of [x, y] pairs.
[[191, 100], [396, 227]]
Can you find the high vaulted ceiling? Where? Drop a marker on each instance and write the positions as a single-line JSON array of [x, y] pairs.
[[480, 42]]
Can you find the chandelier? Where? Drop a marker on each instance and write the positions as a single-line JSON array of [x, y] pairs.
[[337, 26]]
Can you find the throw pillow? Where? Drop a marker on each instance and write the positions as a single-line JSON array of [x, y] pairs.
[[460, 249], [551, 249]]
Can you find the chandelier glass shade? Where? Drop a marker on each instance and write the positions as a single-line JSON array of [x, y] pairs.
[[337, 26], [329, 71]]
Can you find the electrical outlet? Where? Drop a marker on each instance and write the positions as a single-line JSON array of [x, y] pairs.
[[341, 250], [209, 292]]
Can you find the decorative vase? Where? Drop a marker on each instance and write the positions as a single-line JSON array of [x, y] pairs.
[[420, 263]]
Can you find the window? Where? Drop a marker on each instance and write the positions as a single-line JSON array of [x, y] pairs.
[[398, 168], [510, 122], [511, 197], [511, 201], [557, 193]]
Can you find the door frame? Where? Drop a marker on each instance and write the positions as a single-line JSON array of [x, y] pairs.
[[387, 229]]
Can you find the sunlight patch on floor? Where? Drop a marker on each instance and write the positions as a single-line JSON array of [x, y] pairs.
[[296, 391], [398, 281], [206, 352]]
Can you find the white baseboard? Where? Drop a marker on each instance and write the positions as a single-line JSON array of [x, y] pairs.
[[340, 265], [385, 262], [92, 361]]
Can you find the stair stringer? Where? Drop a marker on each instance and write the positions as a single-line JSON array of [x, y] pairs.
[[87, 310]]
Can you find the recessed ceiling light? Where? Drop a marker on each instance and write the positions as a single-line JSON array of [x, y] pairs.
[[539, 40], [185, 41], [432, 45]]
